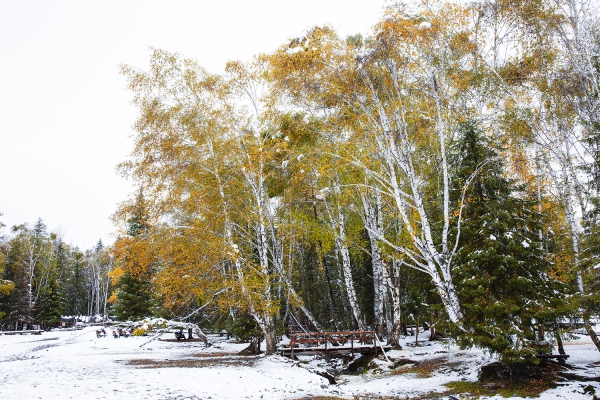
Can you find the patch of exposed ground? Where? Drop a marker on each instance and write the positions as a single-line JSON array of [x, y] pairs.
[[200, 361], [194, 362], [545, 376], [222, 354], [425, 368]]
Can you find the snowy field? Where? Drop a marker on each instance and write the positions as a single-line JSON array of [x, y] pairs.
[[77, 365]]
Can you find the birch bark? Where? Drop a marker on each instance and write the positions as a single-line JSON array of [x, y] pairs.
[[337, 223], [373, 223]]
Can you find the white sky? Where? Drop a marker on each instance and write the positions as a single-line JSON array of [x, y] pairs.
[[65, 115]]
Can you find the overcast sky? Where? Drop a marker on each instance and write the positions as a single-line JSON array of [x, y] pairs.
[[65, 116]]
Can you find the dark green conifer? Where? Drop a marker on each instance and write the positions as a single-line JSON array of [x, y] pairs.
[[62, 275], [76, 292], [39, 228], [48, 306], [501, 270], [134, 297], [137, 224]]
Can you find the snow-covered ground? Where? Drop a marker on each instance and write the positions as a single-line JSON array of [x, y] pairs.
[[76, 364]]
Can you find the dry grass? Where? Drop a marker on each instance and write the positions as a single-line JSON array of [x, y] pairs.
[[545, 376], [321, 398], [423, 369], [531, 388], [221, 354], [201, 362]]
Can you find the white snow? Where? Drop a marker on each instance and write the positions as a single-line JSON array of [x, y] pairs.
[[492, 237], [76, 364], [294, 50]]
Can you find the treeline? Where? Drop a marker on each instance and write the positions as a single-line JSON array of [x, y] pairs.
[[44, 278], [444, 169]]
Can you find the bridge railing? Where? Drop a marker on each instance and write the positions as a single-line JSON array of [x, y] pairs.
[[332, 340]]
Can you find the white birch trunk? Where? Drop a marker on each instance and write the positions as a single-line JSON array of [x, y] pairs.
[[338, 225], [397, 327], [435, 262], [373, 222]]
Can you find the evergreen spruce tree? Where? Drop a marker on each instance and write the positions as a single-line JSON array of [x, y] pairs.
[[137, 224], [505, 289], [39, 229], [76, 292], [48, 305], [133, 294], [62, 275], [133, 298]]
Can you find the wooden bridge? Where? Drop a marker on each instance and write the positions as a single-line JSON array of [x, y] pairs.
[[363, 342]]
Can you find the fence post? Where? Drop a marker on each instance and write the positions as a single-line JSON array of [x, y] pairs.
[[375, 342]]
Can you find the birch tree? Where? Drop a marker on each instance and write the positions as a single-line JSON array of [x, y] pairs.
[[397, 99], [337, 222], [385, 287], [207, 136]]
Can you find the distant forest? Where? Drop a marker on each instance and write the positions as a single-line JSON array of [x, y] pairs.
[[442, 172]]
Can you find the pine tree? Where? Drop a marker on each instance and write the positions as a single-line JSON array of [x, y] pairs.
[[133, 298], [133, 292], [39, 228], [48, 306], [504, 284], [62, 274], [76, 293], [138, 222]]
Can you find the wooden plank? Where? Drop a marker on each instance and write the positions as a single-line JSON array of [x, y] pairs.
[[312, 341], [329, 350]]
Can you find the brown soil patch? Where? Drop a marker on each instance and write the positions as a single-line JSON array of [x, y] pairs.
[[423, 369], [217, 354], [202, 361]]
